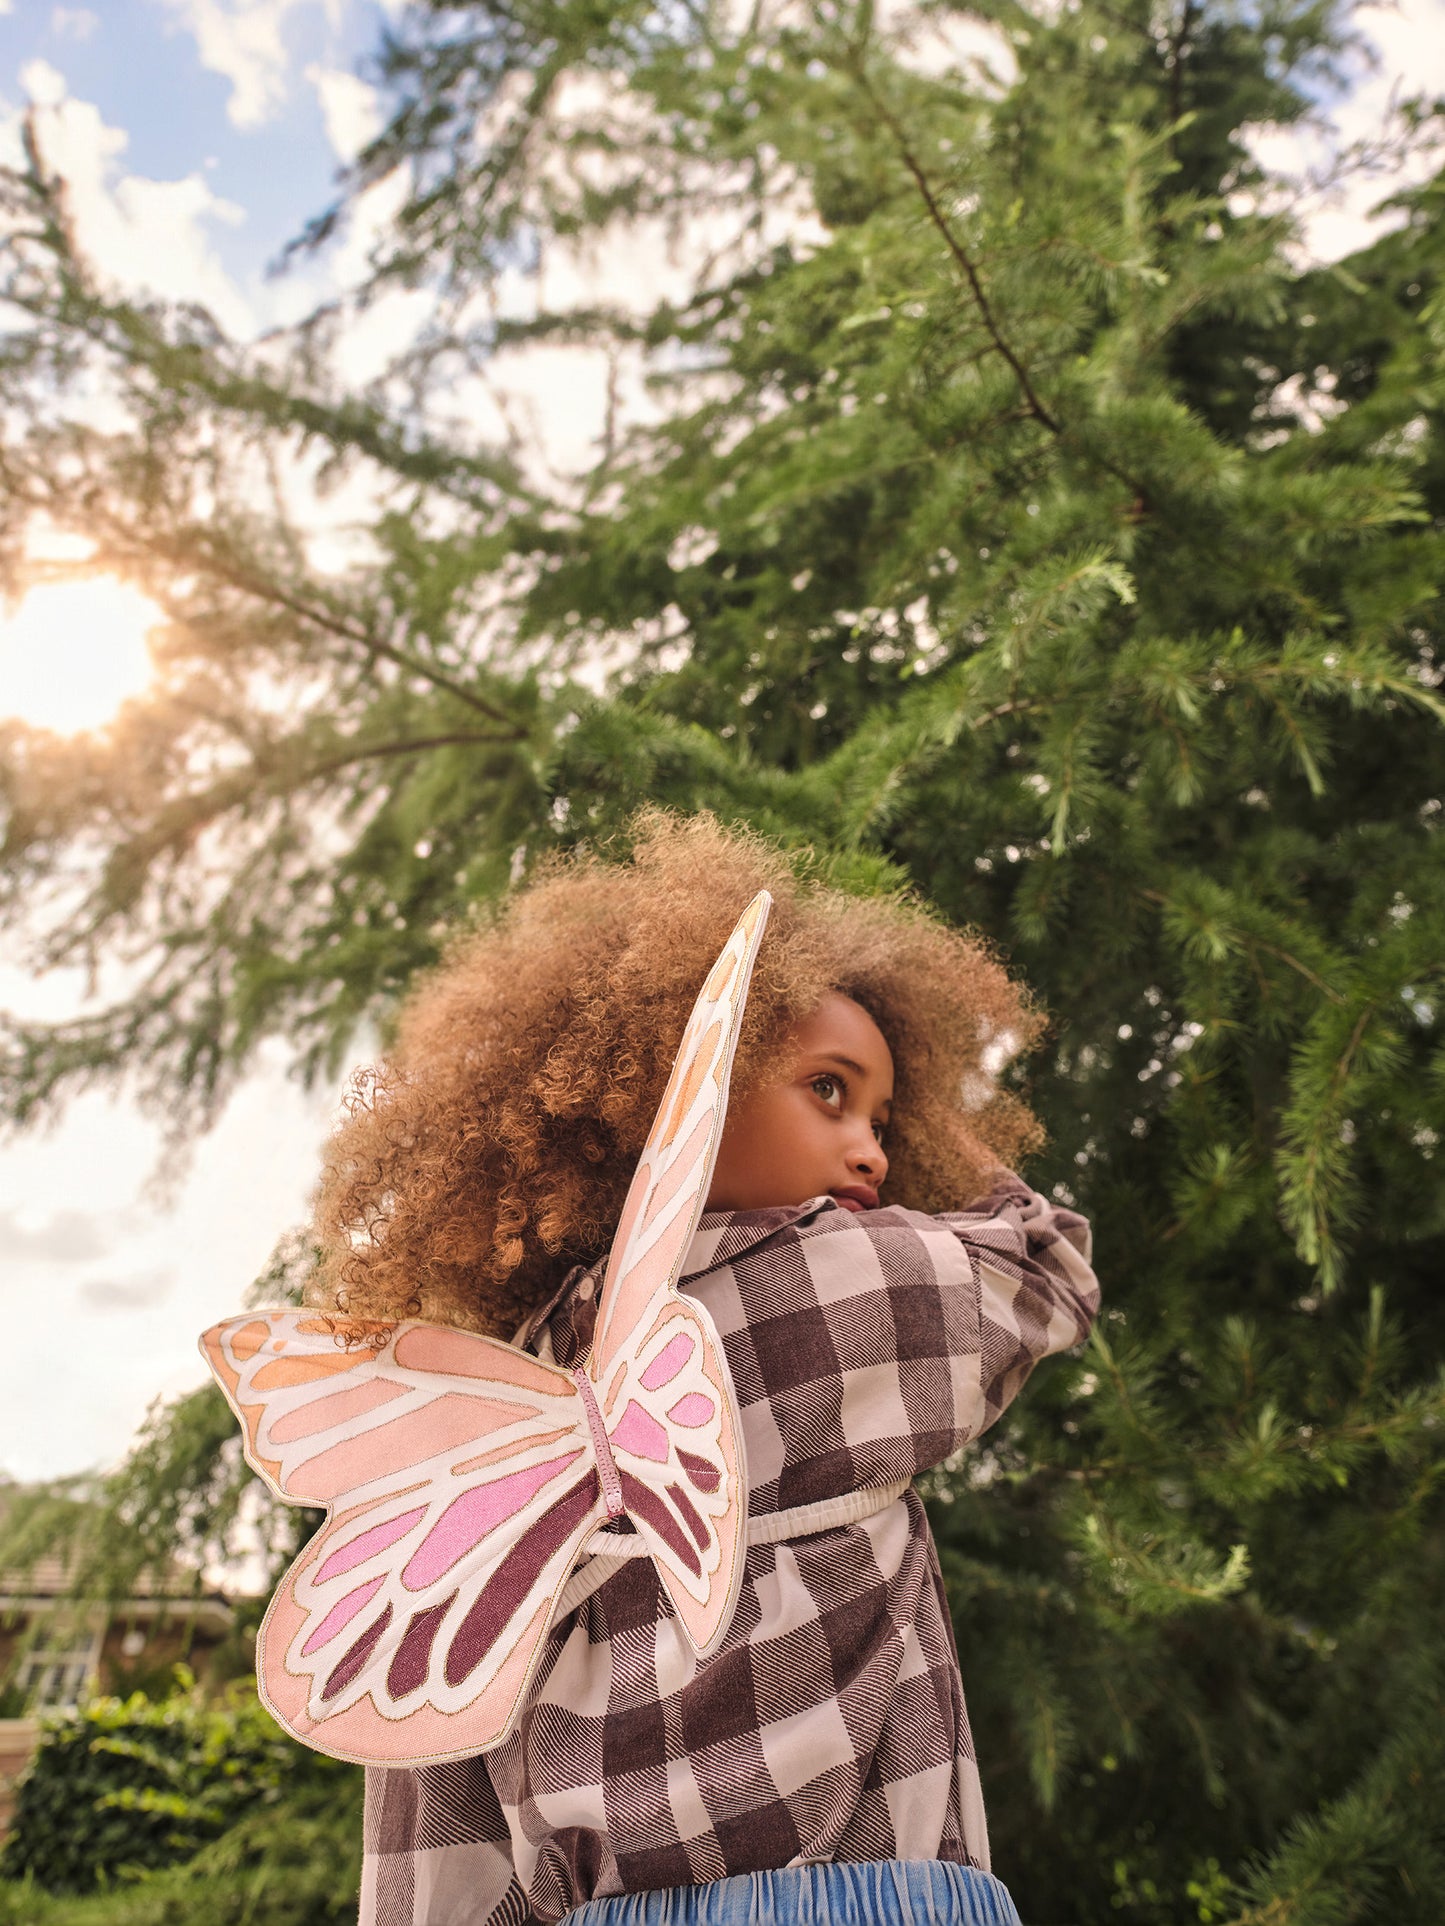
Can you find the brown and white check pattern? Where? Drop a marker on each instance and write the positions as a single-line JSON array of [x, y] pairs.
[[831, 1724]]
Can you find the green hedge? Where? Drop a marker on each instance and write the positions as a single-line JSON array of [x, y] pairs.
[[301, 1871], [126, 1788]]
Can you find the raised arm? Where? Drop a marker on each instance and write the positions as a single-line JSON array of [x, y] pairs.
[[1037, 1292], [866, 1348]]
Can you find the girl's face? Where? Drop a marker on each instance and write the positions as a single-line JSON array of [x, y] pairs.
[[820, 1128]]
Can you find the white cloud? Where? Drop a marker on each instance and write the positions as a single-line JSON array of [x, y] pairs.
[[66, 1237], [125, 1293], [73, 23], [376, 334], [350, 108], [1408, 39], [117, 1327], [244, 42], [44, 85], [940, 43], [141, 234]]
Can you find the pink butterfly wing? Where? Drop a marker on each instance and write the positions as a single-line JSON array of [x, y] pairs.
[[461, 1482], [459, 1473], [669, 1188], [674, 1434], [696, 1536]]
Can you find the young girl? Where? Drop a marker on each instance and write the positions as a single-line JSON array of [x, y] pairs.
[[819, 1765]]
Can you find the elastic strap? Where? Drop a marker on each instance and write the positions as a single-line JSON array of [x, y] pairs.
[[606, 1552], [801, 1521]]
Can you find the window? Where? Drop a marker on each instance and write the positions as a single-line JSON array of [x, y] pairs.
[[59, 1664]]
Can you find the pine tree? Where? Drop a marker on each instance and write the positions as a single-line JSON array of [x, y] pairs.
[[1020, 518]]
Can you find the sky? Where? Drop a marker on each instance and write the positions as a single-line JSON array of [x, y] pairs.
[[198, 136], [215, 126]]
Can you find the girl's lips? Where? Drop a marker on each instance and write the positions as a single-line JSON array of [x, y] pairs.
[[857, 1197]]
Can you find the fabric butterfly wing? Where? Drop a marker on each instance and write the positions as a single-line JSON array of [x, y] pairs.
[[676, 1441], [462, 1477], [661, 1380], [461, 1481]]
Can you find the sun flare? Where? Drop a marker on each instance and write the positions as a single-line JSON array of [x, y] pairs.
[[72, 652]]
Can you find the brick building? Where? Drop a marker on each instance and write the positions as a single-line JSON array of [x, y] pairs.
[[56, 1652]]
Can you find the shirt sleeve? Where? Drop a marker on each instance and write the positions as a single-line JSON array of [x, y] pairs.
[[1037, 1292], [866, 1347], [436, 1849]]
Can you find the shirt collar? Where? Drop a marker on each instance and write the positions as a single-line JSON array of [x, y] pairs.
[[723, 1235], [532, 1324], [720, 1237]]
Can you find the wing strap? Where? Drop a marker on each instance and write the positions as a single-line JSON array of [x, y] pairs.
[[606, 1464], [606, 1552]]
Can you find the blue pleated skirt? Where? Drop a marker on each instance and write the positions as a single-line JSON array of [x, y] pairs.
[[883, 1892]]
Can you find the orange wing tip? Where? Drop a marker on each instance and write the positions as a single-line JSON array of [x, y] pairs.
[[217, 1363]]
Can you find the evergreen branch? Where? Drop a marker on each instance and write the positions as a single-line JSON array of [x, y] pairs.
[[875, 763], [1303, 752], [1305, 1187], [188, 366], [229, 570], [184, 370], [1353, 1856], [411, 746], [177, 823], [1178, 43], [962, 259], [335, 624], [1134, 1410], [1033, 403], [1248, 941]]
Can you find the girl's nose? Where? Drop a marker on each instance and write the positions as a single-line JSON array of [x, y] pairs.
[[869, 1162]]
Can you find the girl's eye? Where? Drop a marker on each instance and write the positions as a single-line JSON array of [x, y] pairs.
[[878, 1130], [830, 1089]]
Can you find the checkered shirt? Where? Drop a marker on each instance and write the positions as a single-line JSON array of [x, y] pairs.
[[831, 1724]]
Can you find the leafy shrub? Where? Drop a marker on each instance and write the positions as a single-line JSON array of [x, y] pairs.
[[287, 1869], [293, 1866], [127, 1787]]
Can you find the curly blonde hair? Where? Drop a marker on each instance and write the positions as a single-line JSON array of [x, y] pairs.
[[492, 1146]]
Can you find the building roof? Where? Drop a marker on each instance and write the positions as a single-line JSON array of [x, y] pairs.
[[50, 1578]]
